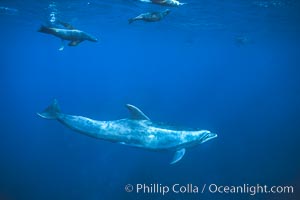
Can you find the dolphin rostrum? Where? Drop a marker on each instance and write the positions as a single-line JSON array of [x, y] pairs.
[[137, 130]]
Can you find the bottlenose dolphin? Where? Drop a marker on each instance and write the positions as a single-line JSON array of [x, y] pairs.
[[243, 40], [137, 130], [69, 33], [150, 16]]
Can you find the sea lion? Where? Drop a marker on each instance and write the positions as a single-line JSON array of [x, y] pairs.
[[164, 2], [150, 16]]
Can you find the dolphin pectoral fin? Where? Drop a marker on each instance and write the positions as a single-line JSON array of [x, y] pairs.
[[135, 113], [62, 46], [177, 156], [75, 42]]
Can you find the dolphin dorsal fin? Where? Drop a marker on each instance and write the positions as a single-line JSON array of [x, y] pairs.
[[66, 25], [136, 113]]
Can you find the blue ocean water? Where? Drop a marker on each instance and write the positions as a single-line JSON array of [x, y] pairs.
[[189, 69]]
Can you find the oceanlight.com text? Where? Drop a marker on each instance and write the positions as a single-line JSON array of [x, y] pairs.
[[250, 189], [164, 189]]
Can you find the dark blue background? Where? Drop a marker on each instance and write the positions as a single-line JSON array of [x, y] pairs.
[[185, 70]]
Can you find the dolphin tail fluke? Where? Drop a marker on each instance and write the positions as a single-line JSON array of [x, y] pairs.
[[131, 20], [51, 112], [45, 29]]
